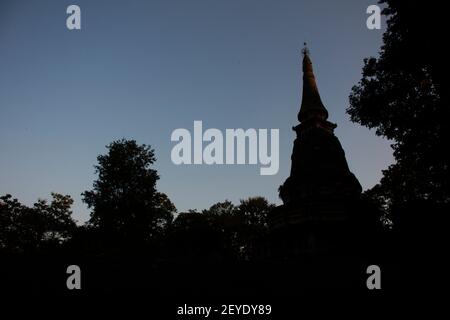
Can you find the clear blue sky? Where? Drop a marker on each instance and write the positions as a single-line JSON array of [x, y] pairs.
[[140, 69]]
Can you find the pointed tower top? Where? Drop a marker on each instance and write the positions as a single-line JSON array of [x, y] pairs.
[[305, 49], [312, 105]]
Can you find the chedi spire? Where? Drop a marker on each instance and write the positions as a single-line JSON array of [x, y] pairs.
[[319, 170], [312, 105], [322, 209]]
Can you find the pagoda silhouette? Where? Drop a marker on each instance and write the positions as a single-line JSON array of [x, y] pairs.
[[322, 210]]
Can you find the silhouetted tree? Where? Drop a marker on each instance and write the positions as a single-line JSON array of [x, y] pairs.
[[220, 209], [222, 232], [124, 200], [401, 95], [240, 225], [255, 210], [26, 229], [209, 234], [193, 239], [253, 213]]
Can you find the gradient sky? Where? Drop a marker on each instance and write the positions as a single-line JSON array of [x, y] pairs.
[[140, 69]]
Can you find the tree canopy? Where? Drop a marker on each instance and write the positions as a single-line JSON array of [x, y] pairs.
[[27, 229], [401, 95], [124, 199]]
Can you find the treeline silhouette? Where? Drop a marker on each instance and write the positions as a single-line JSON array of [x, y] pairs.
[[131, 225], [134, 239], [128, 214]]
